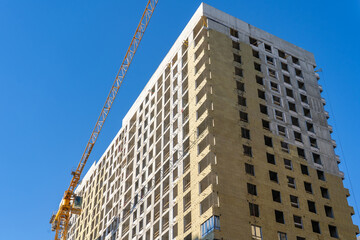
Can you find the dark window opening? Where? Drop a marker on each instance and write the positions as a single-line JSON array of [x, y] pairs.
[[266, 124], [257, 67], [308, 187], [254, 210], [321, 175], [249, 169], [261, 94], [268, 141], [270, 158], [247, 151], [243, 116], [328, 211], [251, 188], [304, 169], [315, 226], [263, 109], [276, 196], [259, 80], [236, 45], [242, 101], [333, 231], [311, 206], [279, 217], [245, 133], [234, 33], [273, 176]]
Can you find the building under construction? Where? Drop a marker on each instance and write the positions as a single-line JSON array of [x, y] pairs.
[[228, 140]]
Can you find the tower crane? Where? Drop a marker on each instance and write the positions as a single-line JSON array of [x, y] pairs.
[[70, 203]]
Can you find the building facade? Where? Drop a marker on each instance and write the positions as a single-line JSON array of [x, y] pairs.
[[228, 140]]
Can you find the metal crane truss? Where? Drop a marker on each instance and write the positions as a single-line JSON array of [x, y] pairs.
[[61, 220]]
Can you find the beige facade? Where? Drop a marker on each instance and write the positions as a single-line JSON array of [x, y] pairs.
[[228, 140]]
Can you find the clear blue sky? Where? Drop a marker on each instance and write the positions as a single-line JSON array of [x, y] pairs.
[[58, 60]]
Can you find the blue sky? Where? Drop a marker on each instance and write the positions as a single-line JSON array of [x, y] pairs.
[[58, 60]]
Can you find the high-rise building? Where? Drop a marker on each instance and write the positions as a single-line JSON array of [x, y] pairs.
[[228, 140]]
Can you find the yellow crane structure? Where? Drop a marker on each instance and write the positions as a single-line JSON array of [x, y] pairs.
[[70, 203]]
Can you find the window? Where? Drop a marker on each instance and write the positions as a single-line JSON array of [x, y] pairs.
[[242, 101], [333, 231], [266, 124], [294, 201], [315, 226], [310, 127], [263, 109], [243, 116], [297, 136], [234, 33], [256, 232], [289, 93], [291, 182], [251, 188], [272, 73], [279, 115], [236, 45], [321, 175], [276, 196], [295, 121], [292, 106], [268, 141], [237, 58], [284, 146], [311, 206], [295, 60], [298, 72], [313, 142], [277, 100], [255, 53], [284, 67], [304, 169], [270, 158], [253, 41], [259, 80], [273, 176], [316, 158], [324, 192], [254, 209], [257, 66], [245, 133], [240, 86], [308, 187], [274, 86], [297, 221], [282, 236], [238, 71], [270, 60], [282, 132], [303, 98], [279, 217], [249, 169], [300, 238], [328, 211], [287, 79], [301, 152], [307, 112], [267, 47], [247, 151], [261, 94], [288, 164], [281, 54]]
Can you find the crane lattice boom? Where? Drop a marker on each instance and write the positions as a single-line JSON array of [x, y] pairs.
[[60, 221]]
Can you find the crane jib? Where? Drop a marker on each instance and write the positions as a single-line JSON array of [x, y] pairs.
[[70, 203]]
